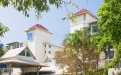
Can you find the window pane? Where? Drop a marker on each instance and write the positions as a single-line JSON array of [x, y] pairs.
[[84, 17], [21, 45], [28, 54], [22, 53], [30, 36], [47, 60], [49, 52], [111, 54], [49, 46], [14, 46]]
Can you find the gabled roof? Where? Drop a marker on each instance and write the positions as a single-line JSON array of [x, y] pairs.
[[38, 26], [15, 52], [81, 11], [85, 11]]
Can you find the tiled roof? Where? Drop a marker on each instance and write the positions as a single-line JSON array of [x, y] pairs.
[[81, 11], [38, 26]]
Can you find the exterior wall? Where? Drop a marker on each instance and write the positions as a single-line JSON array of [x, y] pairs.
[[41, 37], [82, 22], [79, 18], [52, 49], [90, 18], [77, 26], [114, 71], [31, 43]]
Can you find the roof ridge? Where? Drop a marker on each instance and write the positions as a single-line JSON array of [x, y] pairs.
[[38, 26]]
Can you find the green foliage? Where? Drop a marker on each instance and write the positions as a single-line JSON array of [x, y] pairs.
[[26, 5], [3, 29], [110, 29], [77, 47], [38, 5]]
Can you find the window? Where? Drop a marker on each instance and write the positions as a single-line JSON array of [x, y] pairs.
[[28, 54], [89, 31], [47, 60], [21, 45], [49, 46], [17, 46], [14, 46], [95, 29], [111, 54], [49, 52], [119, 64], [84, 17], [8, 47], [22, 53], [30, 36]]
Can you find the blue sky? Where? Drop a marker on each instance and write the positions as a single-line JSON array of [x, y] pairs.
[[18, 23]]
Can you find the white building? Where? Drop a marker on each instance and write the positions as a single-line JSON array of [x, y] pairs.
[[86, 19], [83, 18], [38, 41]]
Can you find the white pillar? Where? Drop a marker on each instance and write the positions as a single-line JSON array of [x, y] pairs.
[[9, 68], [37, 71]]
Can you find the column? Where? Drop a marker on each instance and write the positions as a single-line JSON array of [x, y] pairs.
[[37, 70], [9, 68]]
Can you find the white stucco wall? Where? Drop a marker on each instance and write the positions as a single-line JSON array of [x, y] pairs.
[[77, 26], [53, 49], [36, 44], [31, 43], [41, 37], [90, 18], [113, 70], [81, 23], [79, 18]]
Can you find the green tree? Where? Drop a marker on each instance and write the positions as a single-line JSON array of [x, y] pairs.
[[110, 29], [39, 6], [3, 29]]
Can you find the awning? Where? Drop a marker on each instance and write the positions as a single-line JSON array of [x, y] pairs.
[[22, 63]]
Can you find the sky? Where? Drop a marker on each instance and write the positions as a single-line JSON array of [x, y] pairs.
[[52, 20]]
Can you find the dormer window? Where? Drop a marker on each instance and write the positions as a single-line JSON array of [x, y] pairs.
[[28, 54], [22, 53], [25, 53]]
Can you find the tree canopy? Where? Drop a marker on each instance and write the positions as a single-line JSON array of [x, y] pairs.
[[110, 29], [3, 29], [79, 51], [38, 5]]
